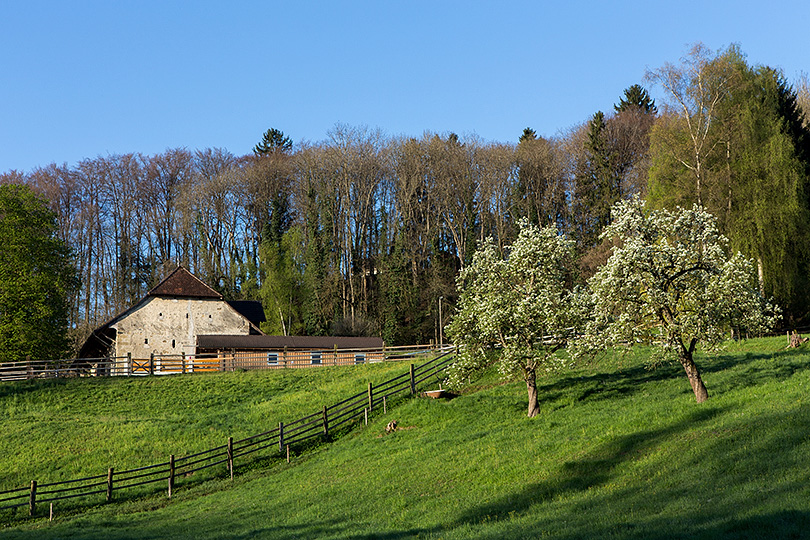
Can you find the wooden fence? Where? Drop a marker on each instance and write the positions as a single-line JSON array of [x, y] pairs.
[[229, 361], [318, 426]]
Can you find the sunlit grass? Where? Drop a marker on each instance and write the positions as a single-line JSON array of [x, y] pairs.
[[69, 428], [616, 453]]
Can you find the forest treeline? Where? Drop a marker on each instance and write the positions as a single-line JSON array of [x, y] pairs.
[[364, 233]]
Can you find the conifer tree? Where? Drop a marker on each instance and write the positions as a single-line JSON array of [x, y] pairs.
[[636, 97], [273, 140]]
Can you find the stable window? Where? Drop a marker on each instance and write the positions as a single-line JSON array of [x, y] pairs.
[[272, 359], [315, 357], [359, 358]]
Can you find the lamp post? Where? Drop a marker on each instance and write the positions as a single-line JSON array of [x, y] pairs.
[[441, 330]]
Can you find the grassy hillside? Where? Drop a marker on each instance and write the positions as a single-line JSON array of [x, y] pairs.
[[68, 428], [617, 452]]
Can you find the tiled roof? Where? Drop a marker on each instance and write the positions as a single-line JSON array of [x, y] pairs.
[[182, 283]]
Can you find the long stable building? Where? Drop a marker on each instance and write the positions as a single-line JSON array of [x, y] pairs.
[[185, 325]]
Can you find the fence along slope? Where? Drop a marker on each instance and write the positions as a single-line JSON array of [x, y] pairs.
[[320, 425]]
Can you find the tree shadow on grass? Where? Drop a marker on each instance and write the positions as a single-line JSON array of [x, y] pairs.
[[732, 371], [594, 469], [13, 388], [606, 386], [753, 369], [743, 480]]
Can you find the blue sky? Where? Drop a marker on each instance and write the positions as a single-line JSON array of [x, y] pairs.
[[87, 78]]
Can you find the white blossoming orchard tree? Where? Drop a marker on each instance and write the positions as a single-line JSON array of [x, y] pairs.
[[519, 304], [670, 283]]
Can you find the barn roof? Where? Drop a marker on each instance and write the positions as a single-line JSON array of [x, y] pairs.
[[181, 283], [220, 342]]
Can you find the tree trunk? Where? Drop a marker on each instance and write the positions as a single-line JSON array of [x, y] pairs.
[[693, 375], [531, 387]]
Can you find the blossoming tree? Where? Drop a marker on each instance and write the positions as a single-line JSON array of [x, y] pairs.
[[518, 304], [670, 283]]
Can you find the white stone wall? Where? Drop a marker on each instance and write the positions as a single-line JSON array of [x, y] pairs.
[[169, 326]]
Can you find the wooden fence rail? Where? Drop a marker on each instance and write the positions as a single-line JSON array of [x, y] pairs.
[[203, 363], [318, 426]]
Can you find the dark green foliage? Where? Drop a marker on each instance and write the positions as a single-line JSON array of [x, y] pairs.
[[769, 163], [754, 168], [528, 135], [36, 278], [636, 97], [598, 186], [273, 141]]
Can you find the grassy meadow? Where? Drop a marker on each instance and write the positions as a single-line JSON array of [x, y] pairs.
[[618, 451]]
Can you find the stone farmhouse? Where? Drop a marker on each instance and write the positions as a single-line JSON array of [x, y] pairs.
[[183, 324], [168, 320]]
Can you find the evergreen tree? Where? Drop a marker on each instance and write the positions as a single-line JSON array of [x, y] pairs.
[[636, 97], [528, 135], [273, 141], [598, 186]]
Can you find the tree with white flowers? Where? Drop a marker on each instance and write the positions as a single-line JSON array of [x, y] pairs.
[[515, 310], [671, 284]]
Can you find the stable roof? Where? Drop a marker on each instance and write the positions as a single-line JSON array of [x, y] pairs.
[[241, 342]]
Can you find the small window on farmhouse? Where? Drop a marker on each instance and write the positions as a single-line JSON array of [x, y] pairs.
[[146, 341], [172, 344], [315, 357], [272, 359], [359, 358]]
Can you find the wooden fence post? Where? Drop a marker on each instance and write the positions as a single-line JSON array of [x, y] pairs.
[[151, 363], [230, 456], [284, 356], [129, 364], [183, 362], [413, 381], [370, 397], [29, 369], [281, 436], [32, 498], [109, 484], [325, 423], [334, 358], [171, 475], [383, 353]]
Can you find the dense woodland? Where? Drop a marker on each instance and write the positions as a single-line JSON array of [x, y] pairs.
[[364, 234]]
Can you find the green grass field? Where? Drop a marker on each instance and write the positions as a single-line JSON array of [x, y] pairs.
[[617, 452]]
